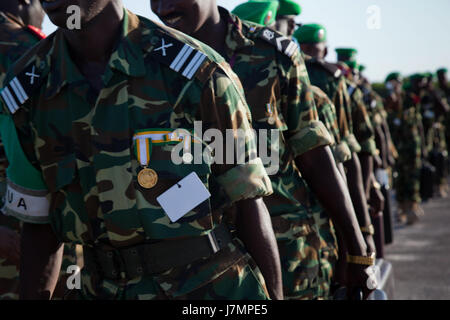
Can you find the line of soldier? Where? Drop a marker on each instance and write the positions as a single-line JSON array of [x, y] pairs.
[[88, 121]]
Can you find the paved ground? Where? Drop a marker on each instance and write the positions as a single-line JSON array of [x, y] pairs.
[[420, 255]]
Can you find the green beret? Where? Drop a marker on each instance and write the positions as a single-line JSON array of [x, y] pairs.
[[442, 70], [362, 68], [310, 33], [393, 76], [352, 65], [346, 54], [289, 8], [257, 11], [417, 76]]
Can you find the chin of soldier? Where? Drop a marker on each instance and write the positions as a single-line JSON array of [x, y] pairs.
[[57, 10]]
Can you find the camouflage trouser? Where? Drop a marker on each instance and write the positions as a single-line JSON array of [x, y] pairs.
[[407, 182], [307, 254], [328, 252], [230, 274], [9, 271]]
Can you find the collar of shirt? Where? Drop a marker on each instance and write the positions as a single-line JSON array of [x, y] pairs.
[[127, 58], [235, 38]]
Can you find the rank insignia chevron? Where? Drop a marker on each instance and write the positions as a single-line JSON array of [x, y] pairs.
[[178, 56], [283, 44], [19, 89]]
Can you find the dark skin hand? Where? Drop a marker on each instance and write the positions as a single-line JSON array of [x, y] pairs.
[[40, 262], [319, 170], [359, 199], [366, 161], [254, 228], [9, 245]]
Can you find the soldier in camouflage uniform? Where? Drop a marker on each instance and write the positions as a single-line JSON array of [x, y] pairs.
[[404, 122], [103, 137], [445, 88], [277, 90], [19, 31], [327, 76], [434, 111]]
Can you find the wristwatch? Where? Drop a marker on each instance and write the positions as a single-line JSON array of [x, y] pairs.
[[365, 261], [369, 230]]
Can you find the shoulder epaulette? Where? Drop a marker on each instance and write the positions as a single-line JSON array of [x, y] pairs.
[[281, 42], [331, 68], [177, 55], [21, 87]]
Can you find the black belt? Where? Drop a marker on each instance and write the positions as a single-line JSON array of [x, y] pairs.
[[153, 258]]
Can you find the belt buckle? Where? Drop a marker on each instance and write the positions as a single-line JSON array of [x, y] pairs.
[[213, 242]]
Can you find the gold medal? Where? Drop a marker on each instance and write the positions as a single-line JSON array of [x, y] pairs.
[[271, 120], [147, 178]]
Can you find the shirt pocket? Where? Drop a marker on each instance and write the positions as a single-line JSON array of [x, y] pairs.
[[157, 224]]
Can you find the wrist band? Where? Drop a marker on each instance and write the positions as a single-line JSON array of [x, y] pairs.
[[365, 261], [369, 229]]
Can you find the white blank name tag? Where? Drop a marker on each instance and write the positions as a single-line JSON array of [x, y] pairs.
[[183, 197]]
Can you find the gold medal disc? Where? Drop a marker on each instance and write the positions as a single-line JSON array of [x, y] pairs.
[[147, 178], [271, 120]]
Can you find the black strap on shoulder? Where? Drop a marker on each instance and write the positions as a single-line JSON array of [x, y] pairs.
[[281, 42], [178, 56], [21, 87]]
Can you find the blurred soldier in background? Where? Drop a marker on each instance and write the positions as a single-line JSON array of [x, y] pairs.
[[277, 89], [285, 20]]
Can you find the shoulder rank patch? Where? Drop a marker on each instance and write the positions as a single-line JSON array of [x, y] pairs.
[[178, 56], [283, 44], [19, 89]]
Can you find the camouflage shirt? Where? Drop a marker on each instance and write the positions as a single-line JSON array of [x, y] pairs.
[[327, 114], [330, 80], [82, 141], [279, 95], [362, 125]]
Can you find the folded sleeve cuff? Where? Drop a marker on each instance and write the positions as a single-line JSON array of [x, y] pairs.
[[311, 137], [353, 143], [369, 146], [246, 181], [342, 152]]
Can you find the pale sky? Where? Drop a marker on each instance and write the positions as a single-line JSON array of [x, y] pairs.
[[412, 36]]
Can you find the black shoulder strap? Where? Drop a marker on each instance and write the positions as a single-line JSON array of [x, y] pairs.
[[21, 87], [178, 56], [282, 43]]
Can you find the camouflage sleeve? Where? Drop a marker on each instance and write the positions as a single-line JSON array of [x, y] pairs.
[[239, 171], [27, 192], [345, 103], [305, 130], [363, 128], [327, 114]]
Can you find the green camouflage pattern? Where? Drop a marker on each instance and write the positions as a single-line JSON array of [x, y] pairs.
[[335, 87], [271, 77], [16, 41], [362, 126], [327, 114], [82, 142], [434, 128], [405, 133]]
